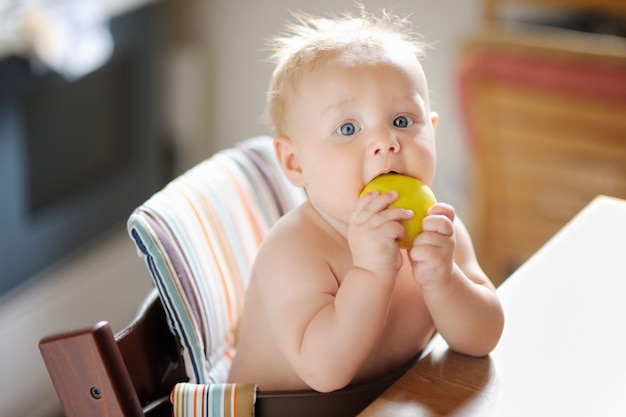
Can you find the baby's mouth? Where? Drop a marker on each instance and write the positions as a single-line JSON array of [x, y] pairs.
[[380, 174], [386, 172]]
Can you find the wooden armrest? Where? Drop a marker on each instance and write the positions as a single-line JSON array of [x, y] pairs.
[[130, 375], [89, 374]]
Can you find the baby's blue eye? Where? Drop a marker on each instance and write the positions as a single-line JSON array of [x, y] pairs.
[[347, 129], [402, 121]]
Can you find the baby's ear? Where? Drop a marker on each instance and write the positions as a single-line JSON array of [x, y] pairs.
[[434, 120], [288, 160]]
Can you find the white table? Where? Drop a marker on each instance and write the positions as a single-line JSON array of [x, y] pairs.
[[563, 350]]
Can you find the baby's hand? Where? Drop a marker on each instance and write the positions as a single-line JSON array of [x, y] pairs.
[[374, 232], [432, 254]]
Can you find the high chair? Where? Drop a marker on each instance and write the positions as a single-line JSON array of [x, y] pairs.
[[198, 237]]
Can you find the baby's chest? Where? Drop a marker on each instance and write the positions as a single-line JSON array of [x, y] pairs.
[[409, 322], [407, 330]]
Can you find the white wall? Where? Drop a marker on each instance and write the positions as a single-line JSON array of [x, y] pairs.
[[216, 83]]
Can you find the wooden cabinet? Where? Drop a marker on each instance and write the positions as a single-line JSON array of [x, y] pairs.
[[546, 116]]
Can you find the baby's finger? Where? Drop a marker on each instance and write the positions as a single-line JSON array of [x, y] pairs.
[[374, 202], [443, 209], [438, 223], [394, 215]]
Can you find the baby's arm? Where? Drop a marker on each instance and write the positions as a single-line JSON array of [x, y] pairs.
[[461, 299]]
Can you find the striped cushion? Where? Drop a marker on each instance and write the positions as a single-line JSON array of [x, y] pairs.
[[199, 236], [218, 400]]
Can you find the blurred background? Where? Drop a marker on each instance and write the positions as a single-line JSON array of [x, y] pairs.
[[102, 102]]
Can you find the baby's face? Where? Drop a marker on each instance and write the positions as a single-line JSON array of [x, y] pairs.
[[352, 118]]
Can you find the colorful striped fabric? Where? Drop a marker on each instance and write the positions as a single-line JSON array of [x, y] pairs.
[[220, 400], [199, 236]]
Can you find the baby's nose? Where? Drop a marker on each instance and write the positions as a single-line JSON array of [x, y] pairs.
[[383, 144]]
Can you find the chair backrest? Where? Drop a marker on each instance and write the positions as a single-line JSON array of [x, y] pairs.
[[199, 237]]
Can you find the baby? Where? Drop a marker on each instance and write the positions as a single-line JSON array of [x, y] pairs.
[[332, 299]]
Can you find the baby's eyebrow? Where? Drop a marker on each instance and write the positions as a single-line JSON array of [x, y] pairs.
[[344, 109], [414, 100], [340, 105]]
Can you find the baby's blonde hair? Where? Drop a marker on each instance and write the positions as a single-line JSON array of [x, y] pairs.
[[304, 42]]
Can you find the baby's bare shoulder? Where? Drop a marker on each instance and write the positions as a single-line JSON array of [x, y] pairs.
[[296, 253], [297, 233]]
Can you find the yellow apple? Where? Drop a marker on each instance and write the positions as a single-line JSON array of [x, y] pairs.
[[413, 195]]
